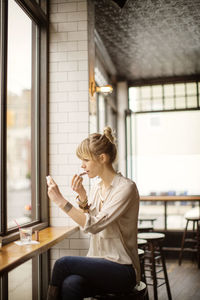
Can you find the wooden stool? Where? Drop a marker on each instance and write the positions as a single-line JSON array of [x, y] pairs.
[[138, 293], [195, 240], [145, 228], [141, 243], [141, 253], [150, 220], [154, 256]]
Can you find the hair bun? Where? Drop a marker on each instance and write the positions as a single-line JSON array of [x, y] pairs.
[[109, 134]]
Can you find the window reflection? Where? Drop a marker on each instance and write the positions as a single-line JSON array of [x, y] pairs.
[[19, 110]]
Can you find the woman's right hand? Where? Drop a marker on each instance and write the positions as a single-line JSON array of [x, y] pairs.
[[54, 192], [77, 186]]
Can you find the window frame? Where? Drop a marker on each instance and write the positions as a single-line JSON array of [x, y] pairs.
[[39, 14], [173, 81], [36, 14]]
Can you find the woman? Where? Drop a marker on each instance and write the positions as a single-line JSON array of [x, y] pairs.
[[110, 214]]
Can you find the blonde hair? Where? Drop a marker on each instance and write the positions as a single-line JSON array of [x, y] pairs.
[[96, 144]]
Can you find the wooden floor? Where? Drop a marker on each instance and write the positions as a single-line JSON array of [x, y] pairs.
[[184, 281]]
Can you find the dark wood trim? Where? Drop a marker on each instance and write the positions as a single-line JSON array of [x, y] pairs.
[[3, 117], [35, 277], [34, 132], [170, 198], [163, 80], [33, 10], [44, 270], [4, 287], [43, 123], [167, 110]]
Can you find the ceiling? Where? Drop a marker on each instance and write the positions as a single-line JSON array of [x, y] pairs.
[[148, 39]]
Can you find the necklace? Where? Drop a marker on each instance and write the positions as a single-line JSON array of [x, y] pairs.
[[103, 198]]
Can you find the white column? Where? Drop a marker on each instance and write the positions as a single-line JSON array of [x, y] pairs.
[[122, 105]]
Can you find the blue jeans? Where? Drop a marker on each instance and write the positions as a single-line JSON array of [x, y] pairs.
[[78, 277]]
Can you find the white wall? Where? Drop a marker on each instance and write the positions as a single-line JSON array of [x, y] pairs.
[[69, 108]]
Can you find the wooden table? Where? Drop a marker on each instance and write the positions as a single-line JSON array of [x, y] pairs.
[[166, 199], [12, 255]]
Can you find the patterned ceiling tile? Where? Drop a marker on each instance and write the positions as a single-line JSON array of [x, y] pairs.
[[151, 38]]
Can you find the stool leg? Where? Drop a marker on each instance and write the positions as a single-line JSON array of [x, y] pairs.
[[165, 273], [182, 244], [198, 244], [143, 276], [153, 271]]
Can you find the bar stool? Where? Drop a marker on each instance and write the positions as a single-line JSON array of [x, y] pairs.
[[155, 255], [194, 241], [144, 219], [138, 293], [141, 243], [145, 228]]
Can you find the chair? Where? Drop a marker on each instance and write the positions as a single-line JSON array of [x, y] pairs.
[[138, 293], [155, 261], [194, 241]]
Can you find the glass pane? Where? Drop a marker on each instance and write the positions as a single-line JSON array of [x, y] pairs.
[[128, 147], [20, 282], [191, 88], [180, 102], [157, 91], [168, 153], [157, 104], [176, 212], [169, 103], [153, 209], [191, 101], [146, 92], [134, 96], [180, 89], [20, 91], [146, 105], [169, 90], [199, 92]]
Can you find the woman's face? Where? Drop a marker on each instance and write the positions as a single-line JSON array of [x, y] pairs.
[[92, 167]]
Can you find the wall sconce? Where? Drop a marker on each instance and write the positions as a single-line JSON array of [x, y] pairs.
[[106, 89]]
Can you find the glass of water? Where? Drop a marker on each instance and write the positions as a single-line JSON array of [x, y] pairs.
[[25, 235]]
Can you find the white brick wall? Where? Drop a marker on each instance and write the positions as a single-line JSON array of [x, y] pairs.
[[68, 108]]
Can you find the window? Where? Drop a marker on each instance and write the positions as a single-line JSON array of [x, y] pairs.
[[23, 131], [23, 95], [165, 97], [22, 113], [163, 148]]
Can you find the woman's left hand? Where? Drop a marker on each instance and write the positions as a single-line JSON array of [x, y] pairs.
[[77, 186]]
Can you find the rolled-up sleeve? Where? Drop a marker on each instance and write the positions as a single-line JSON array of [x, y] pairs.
[[112, 209]]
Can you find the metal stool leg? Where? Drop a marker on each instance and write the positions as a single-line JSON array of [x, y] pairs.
[[154, 277], [182, 243], [198, 244], [144, 276], [165, 273]]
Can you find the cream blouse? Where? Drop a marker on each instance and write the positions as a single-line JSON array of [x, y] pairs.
[[113, 224]]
